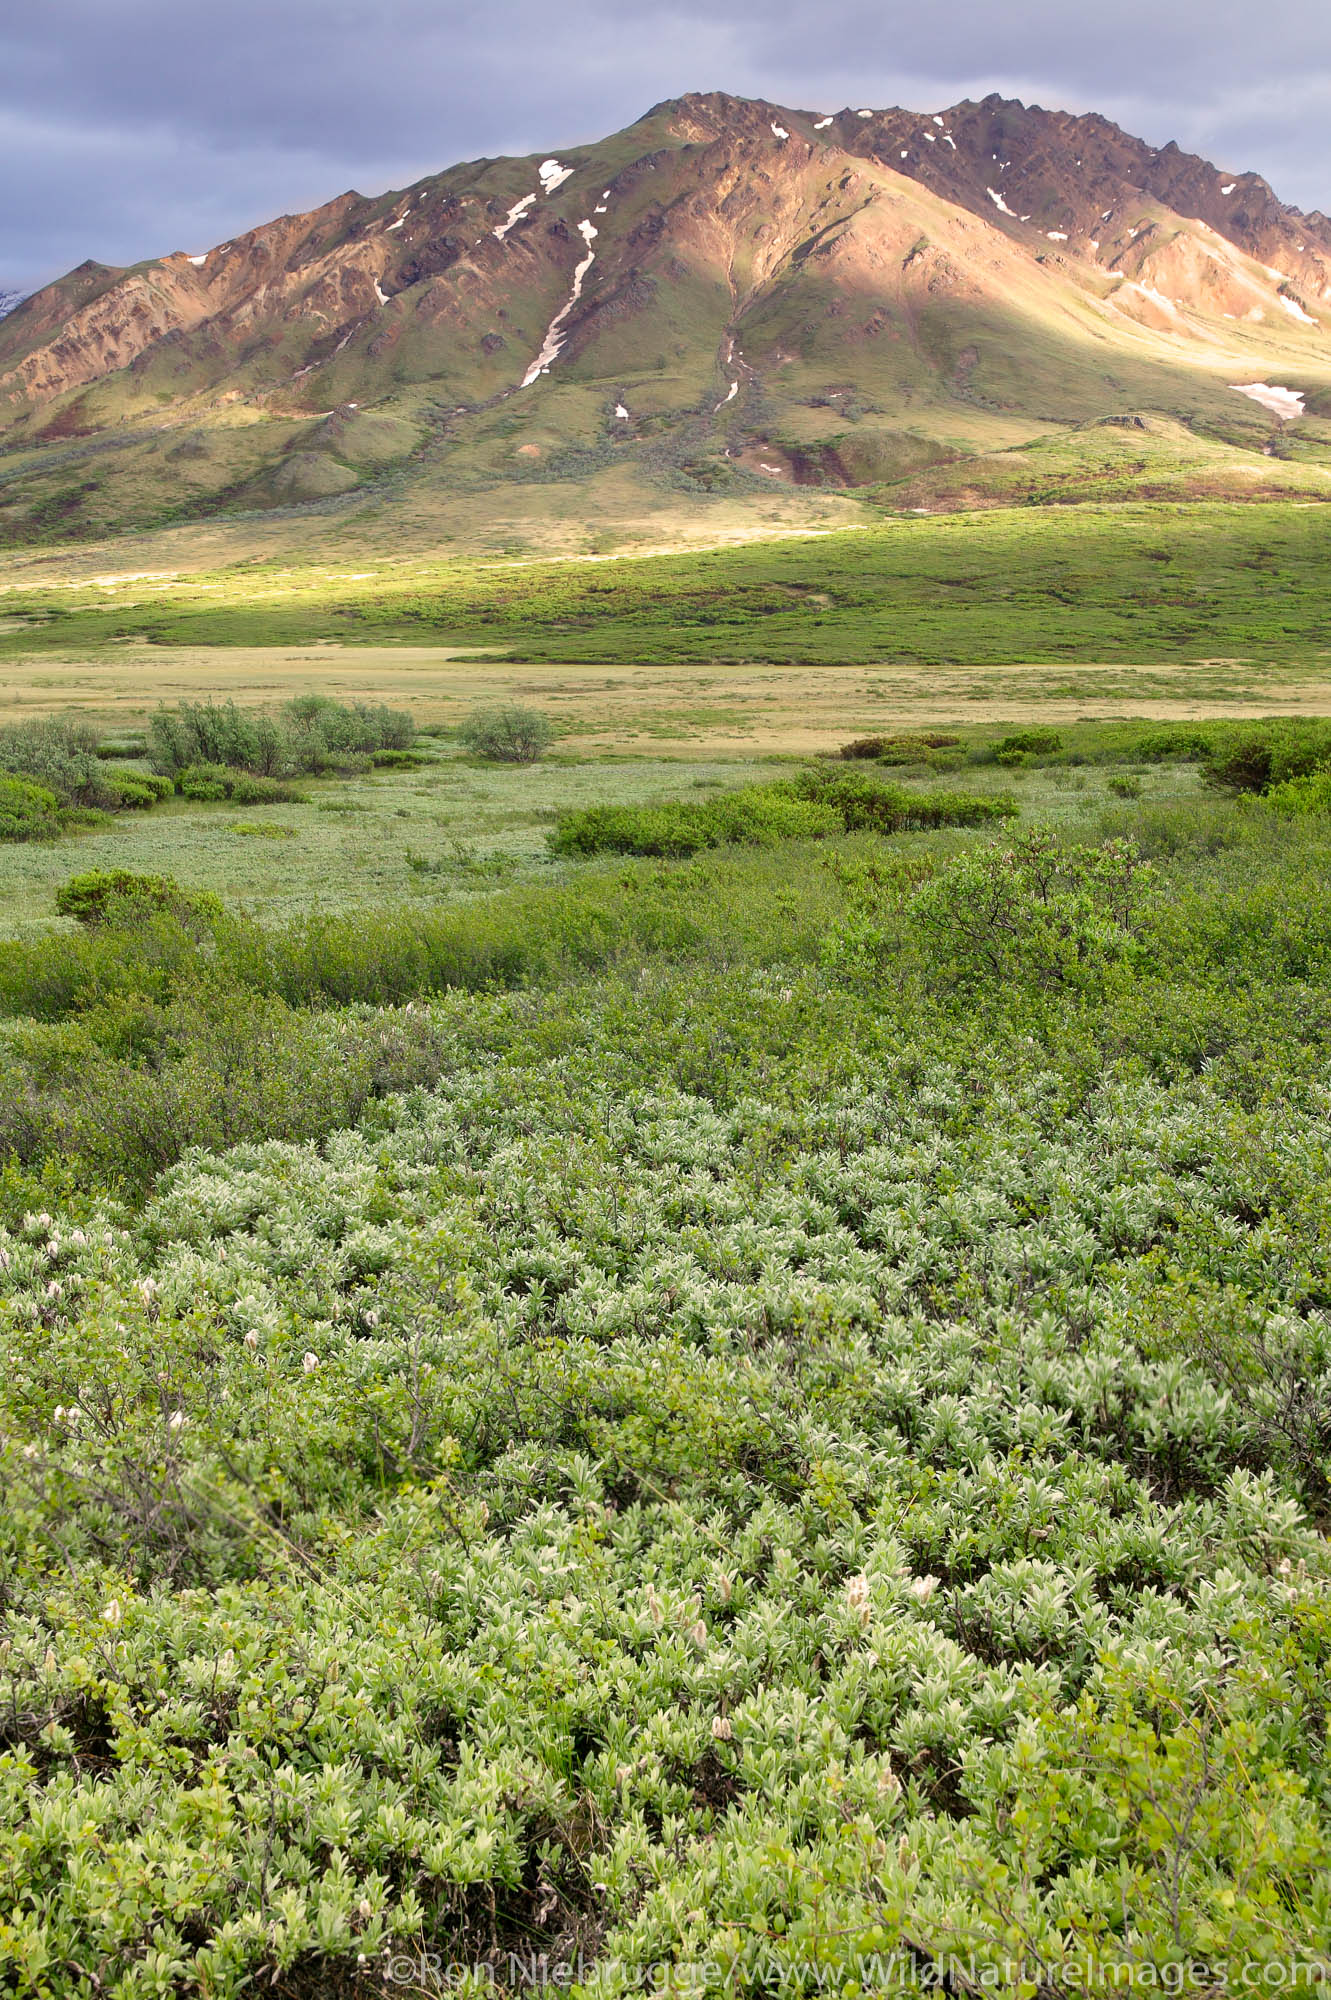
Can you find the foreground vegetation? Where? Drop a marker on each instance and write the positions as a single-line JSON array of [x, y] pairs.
[[751, 1423]]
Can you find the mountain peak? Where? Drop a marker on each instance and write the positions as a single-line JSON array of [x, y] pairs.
[[735, 274]]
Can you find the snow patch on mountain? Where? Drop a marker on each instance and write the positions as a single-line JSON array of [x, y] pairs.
[[515, 214], [1287, 404], [554, 333], [998, 201], [552, 174]]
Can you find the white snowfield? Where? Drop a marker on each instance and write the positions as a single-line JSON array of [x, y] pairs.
[[551, 174], [821, 124], [729, 397], [554, 333], [1295, 310], [198, 260], [1283, 403], [1149, 292], [588, 232], [998, 201], [864, 114], [948, 140], [938, 120], [399, 224], [1229, 189], [621, 413], [780, 130], [380, 293], [1056, 235], [930, 137], [515, 214]]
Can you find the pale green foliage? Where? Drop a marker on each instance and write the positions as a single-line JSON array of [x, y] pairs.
[[508, 734], [563, 1518]]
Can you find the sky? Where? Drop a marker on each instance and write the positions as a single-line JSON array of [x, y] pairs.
[[129, 128]]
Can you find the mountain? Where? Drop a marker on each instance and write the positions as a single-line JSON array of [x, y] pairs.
[[726, 297]]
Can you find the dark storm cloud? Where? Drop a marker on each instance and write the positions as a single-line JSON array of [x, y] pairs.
[[131, 127]]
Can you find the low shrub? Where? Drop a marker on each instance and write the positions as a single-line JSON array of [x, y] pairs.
[[1124, 786], [1296, 797], [865, 806], [1036, 914], [900, 749], [1254, 759], [123, 746], [508, 735], [27, 811], [244, 789], [119, 895], [205, 783], [822, 800], [133, 794], [757, 816], [1183, 742], [1020, 744]]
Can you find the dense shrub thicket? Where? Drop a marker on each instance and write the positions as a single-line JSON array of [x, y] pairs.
[[790, 1452], [311, 734]]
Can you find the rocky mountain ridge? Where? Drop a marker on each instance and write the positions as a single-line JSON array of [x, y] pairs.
[[723, 260]]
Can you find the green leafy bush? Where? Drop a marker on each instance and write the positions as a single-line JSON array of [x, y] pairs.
[[1037, 913], [133, 793], [210, 783], [1022, 745], [1254, 758], [1295, 797], [757, 815], [508, 734], [245, 789], [119, 895], [28, 811], [1186, 742], [865, 805], [205, 783], [821, 801]]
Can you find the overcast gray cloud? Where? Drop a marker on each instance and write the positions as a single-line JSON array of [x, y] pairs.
[[132, 127]]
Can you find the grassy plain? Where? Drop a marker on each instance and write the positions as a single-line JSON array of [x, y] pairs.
[[1130, 585]]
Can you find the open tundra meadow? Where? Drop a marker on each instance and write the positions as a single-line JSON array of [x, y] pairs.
[[665, 1080]]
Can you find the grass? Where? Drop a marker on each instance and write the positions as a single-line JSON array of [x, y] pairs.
[[1137, 586]]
